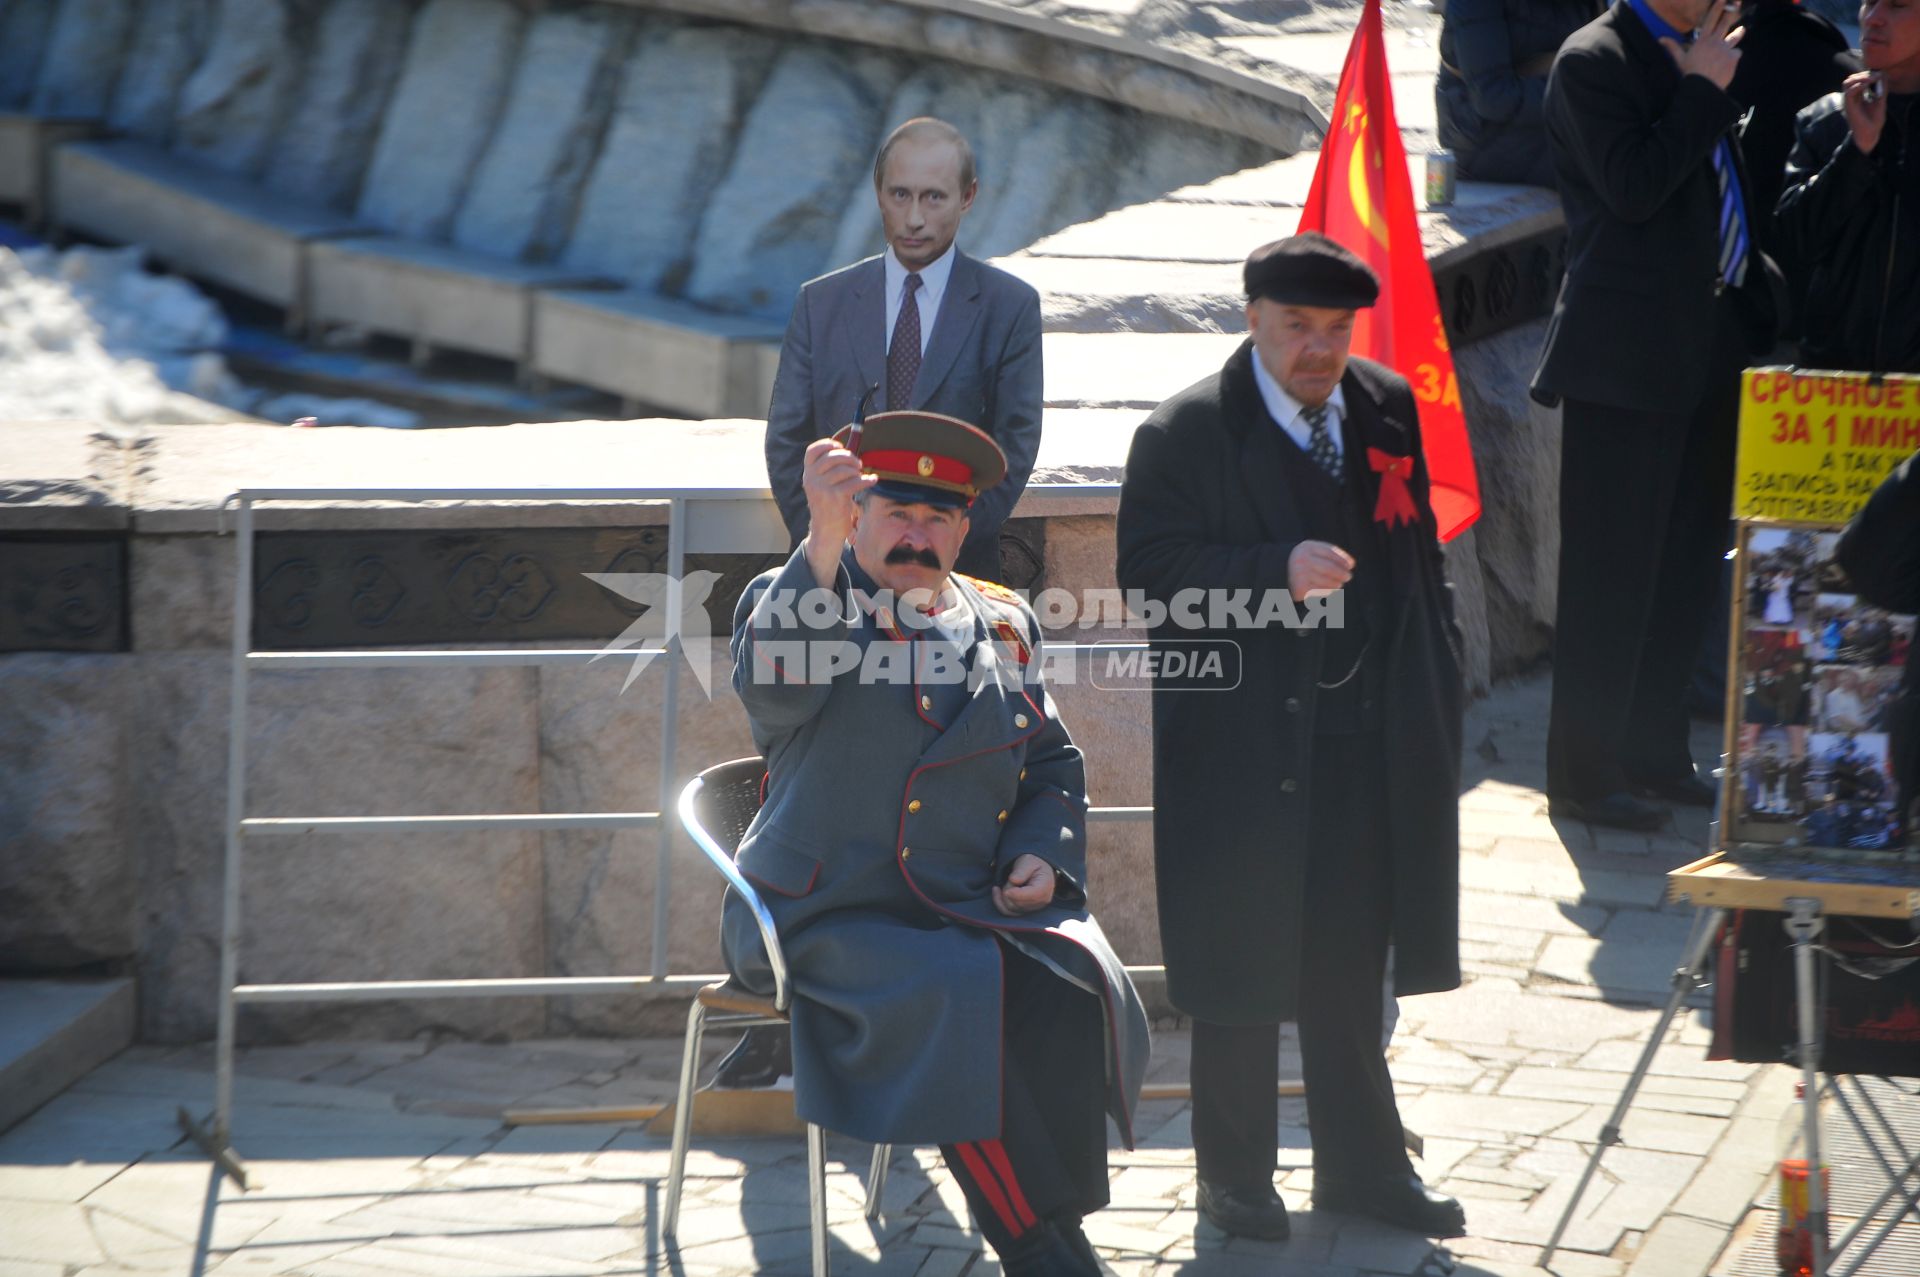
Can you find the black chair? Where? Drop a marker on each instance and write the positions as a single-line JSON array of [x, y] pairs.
[[715, 809]]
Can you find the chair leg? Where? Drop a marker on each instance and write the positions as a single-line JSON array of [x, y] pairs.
[[817, 1195], [683, 1113], [877, 1179]]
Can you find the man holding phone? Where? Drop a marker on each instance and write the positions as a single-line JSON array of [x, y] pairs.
[[1849, 219], [1667, 294]]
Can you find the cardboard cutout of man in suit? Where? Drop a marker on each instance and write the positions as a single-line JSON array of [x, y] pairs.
[[968, 346], [1309, 810], [1667, 295], [922, 848]]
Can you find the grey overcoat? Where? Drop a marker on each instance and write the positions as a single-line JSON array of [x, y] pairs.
[[894, 803]]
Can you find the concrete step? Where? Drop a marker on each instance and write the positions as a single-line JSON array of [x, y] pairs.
[[54, 1032], [1129, 370], [652, 349], [197, 220], [1105, 295]]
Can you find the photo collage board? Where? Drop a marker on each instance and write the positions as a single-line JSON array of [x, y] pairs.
[[1818, 677]]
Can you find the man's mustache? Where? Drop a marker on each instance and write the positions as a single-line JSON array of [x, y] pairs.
[[907, 554]]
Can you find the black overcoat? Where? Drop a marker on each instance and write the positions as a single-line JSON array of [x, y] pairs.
[[1204, 505]]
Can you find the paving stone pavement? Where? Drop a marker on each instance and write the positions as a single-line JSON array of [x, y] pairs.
[[391, 1158]]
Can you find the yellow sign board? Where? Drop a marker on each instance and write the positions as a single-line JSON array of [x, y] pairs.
[[1814, 445]]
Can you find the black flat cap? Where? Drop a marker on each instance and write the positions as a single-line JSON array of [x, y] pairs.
[[1310, 269]]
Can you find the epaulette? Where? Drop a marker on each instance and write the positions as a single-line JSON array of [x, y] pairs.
[[994, 590]]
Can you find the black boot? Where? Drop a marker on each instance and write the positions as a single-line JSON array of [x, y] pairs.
[[1043, 1252], [762, 1056], [1069, 1229]]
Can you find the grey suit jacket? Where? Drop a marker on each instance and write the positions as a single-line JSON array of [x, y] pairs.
[[982, 365]]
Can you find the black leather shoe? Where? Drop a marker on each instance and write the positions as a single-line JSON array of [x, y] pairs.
[[1617, 811], [1400, 1200], [762, 1056], [1245, 1212], [1688, 790], [1044, 1252]]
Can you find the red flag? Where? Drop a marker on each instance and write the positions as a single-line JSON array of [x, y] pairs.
[[1363, 197]]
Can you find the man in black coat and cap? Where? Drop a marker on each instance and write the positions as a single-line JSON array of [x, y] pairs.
[[1306, 801]]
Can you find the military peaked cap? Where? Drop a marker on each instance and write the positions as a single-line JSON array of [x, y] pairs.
[[927, 457]]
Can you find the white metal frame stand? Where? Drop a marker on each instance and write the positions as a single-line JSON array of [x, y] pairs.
[[215, 1133]]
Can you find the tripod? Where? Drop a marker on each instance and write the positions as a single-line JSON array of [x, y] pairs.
[[1804, 924]]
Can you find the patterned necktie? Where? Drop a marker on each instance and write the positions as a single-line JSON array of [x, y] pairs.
[[1733, 218], [903, 352], [1320, 445]]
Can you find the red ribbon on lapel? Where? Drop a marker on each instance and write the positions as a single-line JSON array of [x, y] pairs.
[[1396, 503]]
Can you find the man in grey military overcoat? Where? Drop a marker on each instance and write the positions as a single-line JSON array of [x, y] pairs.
[[923, 848]]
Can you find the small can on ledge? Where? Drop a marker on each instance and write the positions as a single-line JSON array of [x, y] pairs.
[[1439, 178]]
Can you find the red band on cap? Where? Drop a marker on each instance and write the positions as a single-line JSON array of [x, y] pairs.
[[916, 466]]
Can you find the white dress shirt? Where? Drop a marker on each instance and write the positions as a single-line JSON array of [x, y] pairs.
[[933, 286], [1286, 410], [954, 621]]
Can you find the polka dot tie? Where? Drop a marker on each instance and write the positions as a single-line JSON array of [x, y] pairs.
[[903, 352], [1320, 445]]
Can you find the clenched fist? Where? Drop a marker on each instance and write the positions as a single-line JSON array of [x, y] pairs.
[[1029, 887], [831, 477]]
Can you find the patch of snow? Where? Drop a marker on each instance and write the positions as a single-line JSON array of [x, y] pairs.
[[89, 334]]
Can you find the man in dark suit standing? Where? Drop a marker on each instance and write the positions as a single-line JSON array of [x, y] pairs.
[[1666, 295], [1306, 804], [968, 346]]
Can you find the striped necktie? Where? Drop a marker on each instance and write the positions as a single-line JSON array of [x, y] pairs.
[[1733, 217]]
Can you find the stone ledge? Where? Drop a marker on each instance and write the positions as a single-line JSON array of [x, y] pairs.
[[56, 1032], [1275, 109], [169, 480], [59, 476]]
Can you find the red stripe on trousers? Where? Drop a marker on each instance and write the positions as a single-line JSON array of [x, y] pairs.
[[997, 1155], [970, 1154]]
